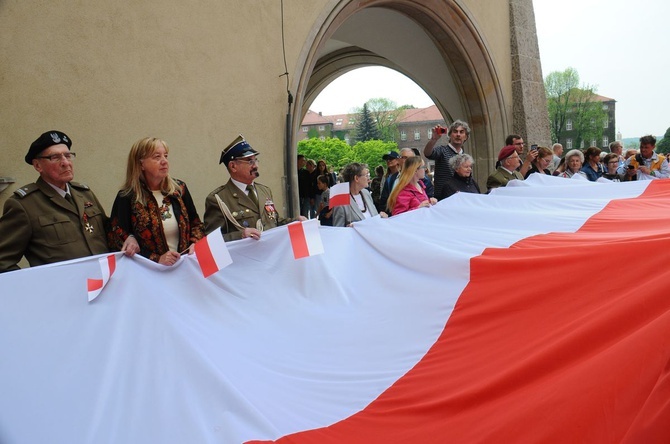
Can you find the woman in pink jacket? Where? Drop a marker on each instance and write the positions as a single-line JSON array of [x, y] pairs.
[[409, 192]]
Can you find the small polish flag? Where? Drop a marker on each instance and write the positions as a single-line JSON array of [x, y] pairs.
[[95, 286], [305, 238], [212, 253], [339, 195]]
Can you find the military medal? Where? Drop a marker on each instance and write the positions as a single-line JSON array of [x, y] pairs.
[[87, 226], [270, 209]]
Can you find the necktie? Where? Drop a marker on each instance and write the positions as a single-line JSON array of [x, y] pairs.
[[68, 197], [252, 194]]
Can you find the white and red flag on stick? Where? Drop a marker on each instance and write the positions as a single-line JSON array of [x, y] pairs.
[[339, 195], [212, 253], [305, 238]]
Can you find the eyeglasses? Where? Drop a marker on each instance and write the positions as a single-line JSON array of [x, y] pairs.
[[251, 162], [54, 158]]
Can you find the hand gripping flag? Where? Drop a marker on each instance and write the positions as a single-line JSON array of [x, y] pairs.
[[305, 238], [95, 286], [212, 253]]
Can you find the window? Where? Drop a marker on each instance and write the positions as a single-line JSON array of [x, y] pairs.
[[429, 133], [322, 137], [417, 135], [605, 107], [403, 135], [322, 127], [568, 144], [593, 142], [338, 122], [606, 141], [305, 129], [581, 145], [346, 138], [568, 125], [606, 124]]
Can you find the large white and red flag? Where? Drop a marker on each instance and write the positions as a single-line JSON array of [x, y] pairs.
[[538, 313]]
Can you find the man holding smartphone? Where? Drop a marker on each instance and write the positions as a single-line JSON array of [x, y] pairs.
[[647, 164], [458, 133]]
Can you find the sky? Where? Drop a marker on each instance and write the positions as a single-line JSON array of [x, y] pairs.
[[619, 47]]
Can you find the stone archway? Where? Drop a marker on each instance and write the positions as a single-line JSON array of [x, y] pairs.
[[435, 43]]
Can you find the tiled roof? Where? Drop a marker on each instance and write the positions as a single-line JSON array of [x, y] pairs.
[[312, 118], [603, 98], [342, 121], [420, 115]]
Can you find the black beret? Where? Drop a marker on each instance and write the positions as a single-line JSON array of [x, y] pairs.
[[50, 138], [238, 149]]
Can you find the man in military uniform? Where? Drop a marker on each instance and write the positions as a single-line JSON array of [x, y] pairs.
[[509, 162], [53, 219], [242, 207]]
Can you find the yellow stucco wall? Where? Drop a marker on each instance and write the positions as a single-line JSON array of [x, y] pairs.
[[193, 73]]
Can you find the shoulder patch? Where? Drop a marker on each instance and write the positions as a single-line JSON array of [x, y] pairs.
[[81, 186], [26, 190], [217, 191]]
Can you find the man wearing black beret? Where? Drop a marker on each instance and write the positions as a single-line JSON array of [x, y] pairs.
[[53, 219], [242, 208]]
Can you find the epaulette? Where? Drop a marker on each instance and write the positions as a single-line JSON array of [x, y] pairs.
[[26, 190], [81, 186], [216, 191]]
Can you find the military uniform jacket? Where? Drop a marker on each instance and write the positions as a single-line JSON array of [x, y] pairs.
[[44, 227], [501, 178], [243, 209]]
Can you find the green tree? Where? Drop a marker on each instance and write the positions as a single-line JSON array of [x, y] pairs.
[[385, 113], [567, 100], [366, 127], [663, 146], [337, 153], [371, 152]]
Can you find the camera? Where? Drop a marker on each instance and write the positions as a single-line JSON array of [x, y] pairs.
[[441, 130], [533, 147]]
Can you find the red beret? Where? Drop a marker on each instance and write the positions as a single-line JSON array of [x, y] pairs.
[[506, 152]]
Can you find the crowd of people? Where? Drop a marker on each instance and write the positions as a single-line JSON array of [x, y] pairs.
[[154, 215], [57, 219]]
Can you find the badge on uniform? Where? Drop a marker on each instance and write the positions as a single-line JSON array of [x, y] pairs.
[[87, 226], [270, 209]]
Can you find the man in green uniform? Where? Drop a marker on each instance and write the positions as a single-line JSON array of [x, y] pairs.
[[509, 161], [53, 219], [242, 207]]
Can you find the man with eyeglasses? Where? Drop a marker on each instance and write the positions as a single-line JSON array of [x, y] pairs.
[[517, 142], [53, 219], [509, 162], [242, 208]]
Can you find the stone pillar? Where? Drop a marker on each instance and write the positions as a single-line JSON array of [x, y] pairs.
[[530, 117]]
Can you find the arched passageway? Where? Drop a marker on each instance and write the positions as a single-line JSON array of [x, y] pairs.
[[434, 43]]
